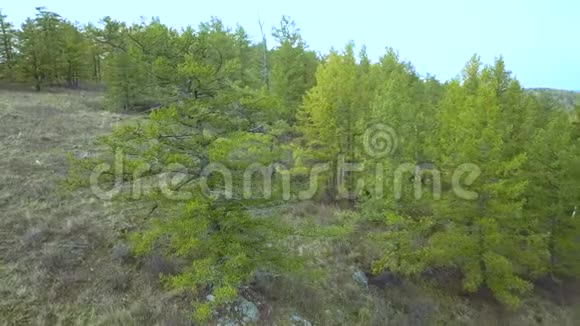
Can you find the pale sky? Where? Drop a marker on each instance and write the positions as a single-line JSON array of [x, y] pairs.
[[539, 40]]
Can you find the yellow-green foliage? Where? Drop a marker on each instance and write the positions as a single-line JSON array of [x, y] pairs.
[[223, 245], [403, 244]]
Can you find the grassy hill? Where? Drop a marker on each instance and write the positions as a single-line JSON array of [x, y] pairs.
[[63, 259], [564, 98]]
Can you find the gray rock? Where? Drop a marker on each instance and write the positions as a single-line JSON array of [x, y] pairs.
[[360, 278], [299, 321], [210, 298], [241, 312], [227, 322], [249, 311]]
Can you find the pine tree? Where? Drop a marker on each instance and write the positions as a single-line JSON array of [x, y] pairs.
[[330, 115], [481, 234], [403, 245], [401, 104], [7, 39], [30, 53], [248, 57], [553, 195], [292, 66], [212, 229], [50, 28], [75, 55], [141, 64], [41, 49]]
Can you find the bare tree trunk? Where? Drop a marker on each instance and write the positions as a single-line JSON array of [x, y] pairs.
[[6, 44], [265, 68], [37, 76]]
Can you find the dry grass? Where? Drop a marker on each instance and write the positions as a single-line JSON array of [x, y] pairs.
[[60, 262], [336, 299]]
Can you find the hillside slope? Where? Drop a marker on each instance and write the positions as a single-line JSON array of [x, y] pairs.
[[61, 263], [565, 98], [63, 260]]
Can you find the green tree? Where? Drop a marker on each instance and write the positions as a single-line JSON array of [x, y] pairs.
[[482, 230], [249, 60], [76, 52], [140, 65], [225, 245], [96, 52], [330, 116], [553, 195], [191, 215], [403, 245], [7, 39], [292, 66], [403, 103], [30, 53], [50, 28], [50, 50]]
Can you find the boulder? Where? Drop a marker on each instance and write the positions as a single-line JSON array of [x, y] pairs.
[[249, 311], [296, 320], [360, 278]]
